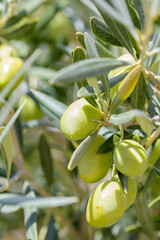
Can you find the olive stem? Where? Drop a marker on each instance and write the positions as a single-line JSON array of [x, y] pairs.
[[153, 77], [13, 179], [153, 137], [93, 83]]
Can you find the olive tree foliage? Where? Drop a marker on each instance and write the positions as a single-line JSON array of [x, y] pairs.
[[108, 54]]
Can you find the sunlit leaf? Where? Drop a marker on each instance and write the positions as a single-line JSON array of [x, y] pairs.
[[138, 96], [30, 215], [7, 151], [80, 151], [85, 69], [100, 29], [46, 159], [139, 7], [125, 88], [38, 202], [51, 104]]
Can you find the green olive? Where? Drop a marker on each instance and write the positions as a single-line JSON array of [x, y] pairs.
[[60, 28], [130, 158], [7, 51], [93, 167], [132, 191], [78, 122], [31, 110], [9, 66], [106, 205]]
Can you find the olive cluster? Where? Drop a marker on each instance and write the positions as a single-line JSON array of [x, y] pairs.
[[109, 201]]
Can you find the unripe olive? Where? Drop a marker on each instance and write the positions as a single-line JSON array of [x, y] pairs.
[[60, 28], [9, 66], [77, 121], [106, 205], [31, 110], [93, 167], [132, 190], [7, 51], [130, 158]]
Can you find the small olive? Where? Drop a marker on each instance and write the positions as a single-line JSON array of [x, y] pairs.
[[130, 158], [94, 166], [79, 120], [106, 205]]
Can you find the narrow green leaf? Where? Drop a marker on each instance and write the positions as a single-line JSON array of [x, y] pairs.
[[30, 215], [118, 11], [90, 46], [52, 105], [139, 7], [93, 53], [152, 175], [104, 52], [117, 24], [91, 6], [46, 159], [115, 80], [146, 125], [138, 115], [50, 115], [154, 44], [80, 37], [23, 29], [11, 102], [51, 232], [124, 181], [138, 96], [7, 151], [78, 54], [85, 69], [133, 15], [92, 101], [109, 144], [41, 72], [88, 91], [157, 170], [100, 29], [80, 151], [26, 9], [11, 122], [38, 202]]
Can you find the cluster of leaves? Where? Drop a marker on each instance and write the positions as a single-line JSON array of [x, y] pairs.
[[118, 27]]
